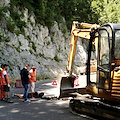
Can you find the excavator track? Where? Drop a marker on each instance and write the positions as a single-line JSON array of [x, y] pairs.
[[95, 108]]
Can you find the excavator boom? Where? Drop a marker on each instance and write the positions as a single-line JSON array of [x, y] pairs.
[[66, 82], [81, 33]]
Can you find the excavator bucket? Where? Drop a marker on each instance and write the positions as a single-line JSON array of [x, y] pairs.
[[70, 86], [65, 85]]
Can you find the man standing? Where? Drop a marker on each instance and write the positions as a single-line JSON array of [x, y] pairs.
[[6, 84], [25, 81], [32, 80]]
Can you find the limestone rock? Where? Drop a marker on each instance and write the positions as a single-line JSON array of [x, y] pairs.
[[47, 49]]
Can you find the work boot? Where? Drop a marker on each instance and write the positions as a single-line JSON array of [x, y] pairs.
[[9, 101], [5, 99], [28, 101]]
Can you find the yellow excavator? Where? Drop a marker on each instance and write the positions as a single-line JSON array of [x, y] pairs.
[[66, 81], [100, 98]]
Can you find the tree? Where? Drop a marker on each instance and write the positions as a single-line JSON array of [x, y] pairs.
[[106, 10]]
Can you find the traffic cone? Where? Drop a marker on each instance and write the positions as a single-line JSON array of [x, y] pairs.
[[54, 82]]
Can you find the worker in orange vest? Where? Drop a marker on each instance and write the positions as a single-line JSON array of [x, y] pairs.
[[6, 84], [32, 80], [1, 86]]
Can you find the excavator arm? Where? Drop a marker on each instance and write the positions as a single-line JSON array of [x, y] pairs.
[[66, 81], [82, 33]]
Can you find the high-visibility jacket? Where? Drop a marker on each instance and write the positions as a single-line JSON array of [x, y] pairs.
[[3, 82], [1, 69], [33, 76]]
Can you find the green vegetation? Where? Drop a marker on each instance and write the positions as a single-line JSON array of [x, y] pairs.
[[33, 46], [59, 49], [10, 25], [13, 81], [48, 43], [48, 11], [17, 49], [3, 37], [56, 58], [52, 40], [2, 11], [41, 55], [17, 16], [106, 10], [42, 77]]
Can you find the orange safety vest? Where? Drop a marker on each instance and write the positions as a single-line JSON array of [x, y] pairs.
[[33, 76], [3, 82]]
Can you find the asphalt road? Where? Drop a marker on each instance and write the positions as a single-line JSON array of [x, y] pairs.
[[38, 109]]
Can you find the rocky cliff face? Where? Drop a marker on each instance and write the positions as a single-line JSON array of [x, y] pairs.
[[45, 48]]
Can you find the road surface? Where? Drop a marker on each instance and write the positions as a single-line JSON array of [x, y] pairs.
[[38, 109]]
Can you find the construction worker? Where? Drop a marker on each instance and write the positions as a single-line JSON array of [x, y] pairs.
[[32, 80], [1, 86], [6, 84], [1, 68]]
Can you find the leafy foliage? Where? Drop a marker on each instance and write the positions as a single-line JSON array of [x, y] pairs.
[[106, 10], [48, 11], [16, 16], [56, 58], [2, 10], [3, 37], [10, 25]]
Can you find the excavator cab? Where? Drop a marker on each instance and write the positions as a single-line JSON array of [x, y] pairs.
[[103, 96], [108, 61], [107, 84], [105, 47]]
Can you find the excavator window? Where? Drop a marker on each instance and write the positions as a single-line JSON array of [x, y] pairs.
[[104, 49], [103, 67], [117, 45]]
